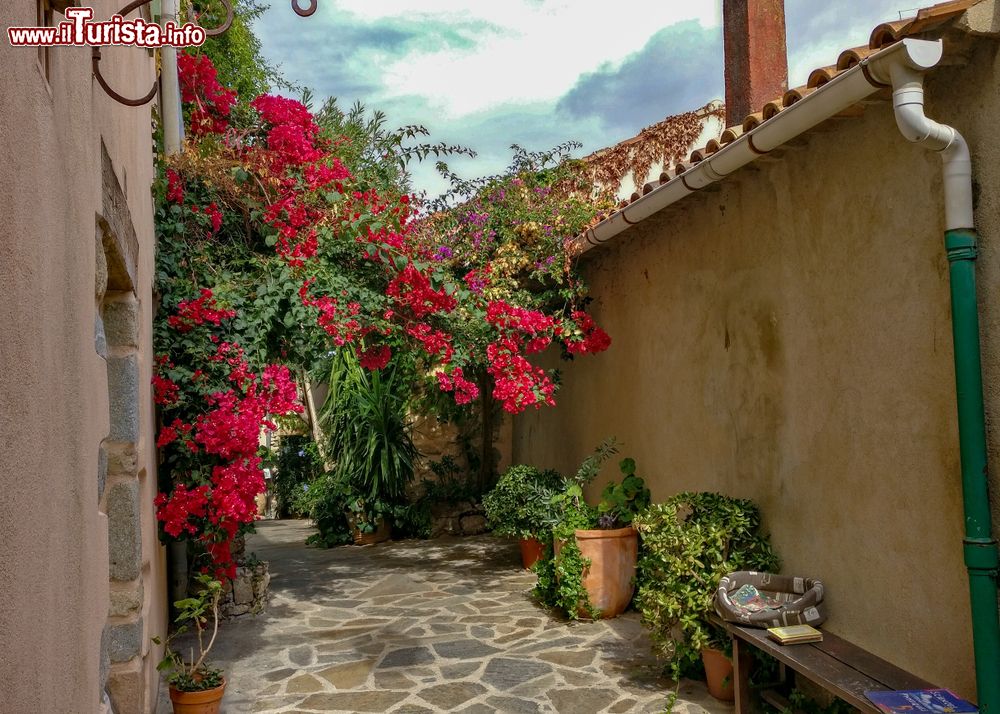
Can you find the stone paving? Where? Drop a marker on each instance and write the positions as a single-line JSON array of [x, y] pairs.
[[415, 627]]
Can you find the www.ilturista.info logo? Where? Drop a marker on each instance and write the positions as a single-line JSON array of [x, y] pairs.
[[78, 30]]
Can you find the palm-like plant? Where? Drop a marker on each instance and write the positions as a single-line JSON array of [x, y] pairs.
[[369, 434]]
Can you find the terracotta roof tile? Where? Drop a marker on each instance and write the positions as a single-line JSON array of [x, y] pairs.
[[730, 135], [819, 77]]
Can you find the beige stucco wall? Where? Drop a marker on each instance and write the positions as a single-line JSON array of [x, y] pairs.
[[787, 338], [54, 404]]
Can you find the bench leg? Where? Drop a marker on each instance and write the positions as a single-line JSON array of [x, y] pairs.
[[741, 676]]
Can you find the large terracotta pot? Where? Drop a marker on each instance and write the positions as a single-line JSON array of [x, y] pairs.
[[531, 551], [608, 579], [206, 701], [719, 673]]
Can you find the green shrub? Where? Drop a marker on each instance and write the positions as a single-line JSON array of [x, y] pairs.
[[521, 505], [327, 498], [298, 464], [688, 544]]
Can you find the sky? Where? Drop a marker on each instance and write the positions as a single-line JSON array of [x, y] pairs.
[[490, 73]]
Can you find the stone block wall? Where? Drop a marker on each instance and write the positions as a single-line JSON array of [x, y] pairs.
[[247, 593], [126, 637]]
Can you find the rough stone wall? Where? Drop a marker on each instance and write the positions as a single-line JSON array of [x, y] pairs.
[[786, 337], [81, 571]]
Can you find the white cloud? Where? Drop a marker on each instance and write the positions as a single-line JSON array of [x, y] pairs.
[[536, 53]]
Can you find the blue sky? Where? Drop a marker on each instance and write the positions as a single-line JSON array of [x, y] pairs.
[[490, 73]]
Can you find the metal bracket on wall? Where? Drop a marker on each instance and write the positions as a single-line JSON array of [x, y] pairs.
[[95, 55]]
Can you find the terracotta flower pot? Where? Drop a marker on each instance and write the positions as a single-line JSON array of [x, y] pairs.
[[531, 551], [381, 533], [608, 579], [719, 673], [206, 701]]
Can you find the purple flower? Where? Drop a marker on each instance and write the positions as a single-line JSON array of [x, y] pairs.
[[443, 253]]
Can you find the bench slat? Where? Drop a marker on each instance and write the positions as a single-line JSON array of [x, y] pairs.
[[875, 667]]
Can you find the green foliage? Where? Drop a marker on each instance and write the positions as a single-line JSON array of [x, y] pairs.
[[326, 504], [521, 504], [365, 418], [688, 544], [560, 577], [236, 53], [591, 465], [620, 502], [376, 155], [298, 465], [196, 675]]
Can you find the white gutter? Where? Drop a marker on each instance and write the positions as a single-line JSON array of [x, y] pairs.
[[907, 58]]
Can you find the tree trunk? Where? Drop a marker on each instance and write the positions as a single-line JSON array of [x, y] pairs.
[[486, 422]]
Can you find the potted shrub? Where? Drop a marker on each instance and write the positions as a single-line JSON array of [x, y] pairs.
[[195, 687], [689, 543], [520, 506], [594, 550], [368, 522]]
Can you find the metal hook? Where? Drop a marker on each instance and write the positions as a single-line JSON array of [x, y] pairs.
[[307, 11], [95, 59], [225, 25]]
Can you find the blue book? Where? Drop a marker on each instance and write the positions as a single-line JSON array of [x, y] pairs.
[[937, 701]]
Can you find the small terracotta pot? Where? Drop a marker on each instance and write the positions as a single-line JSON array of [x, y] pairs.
[[206, 701], [531, 551], [608, 579], [719, 673], [381, 533]]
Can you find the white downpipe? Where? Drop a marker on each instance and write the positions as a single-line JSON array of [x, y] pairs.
[[907, 81], [170, 92], [843, 91]]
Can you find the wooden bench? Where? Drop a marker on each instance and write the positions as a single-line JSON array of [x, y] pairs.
[[836, 665]]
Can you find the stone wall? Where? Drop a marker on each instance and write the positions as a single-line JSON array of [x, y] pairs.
[[247, 593], [462, 519]]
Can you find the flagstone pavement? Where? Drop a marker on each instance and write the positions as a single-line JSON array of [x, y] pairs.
[[415, 627]]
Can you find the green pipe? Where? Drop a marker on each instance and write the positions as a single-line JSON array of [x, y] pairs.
[[981, 558]]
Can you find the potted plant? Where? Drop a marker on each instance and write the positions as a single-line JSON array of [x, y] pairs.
[[689, 543], [195, 687], [367, 519], [520, 506], [594, 550]]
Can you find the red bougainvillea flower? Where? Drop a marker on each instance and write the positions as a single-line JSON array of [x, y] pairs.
[[175, 187], [593, 339], [375, 358], [209, 101], [197, 312]]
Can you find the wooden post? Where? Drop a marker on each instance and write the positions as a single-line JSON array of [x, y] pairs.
[[742, 662]]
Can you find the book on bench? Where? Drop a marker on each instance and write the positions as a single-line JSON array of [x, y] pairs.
[[794, 634], [936, 701]]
